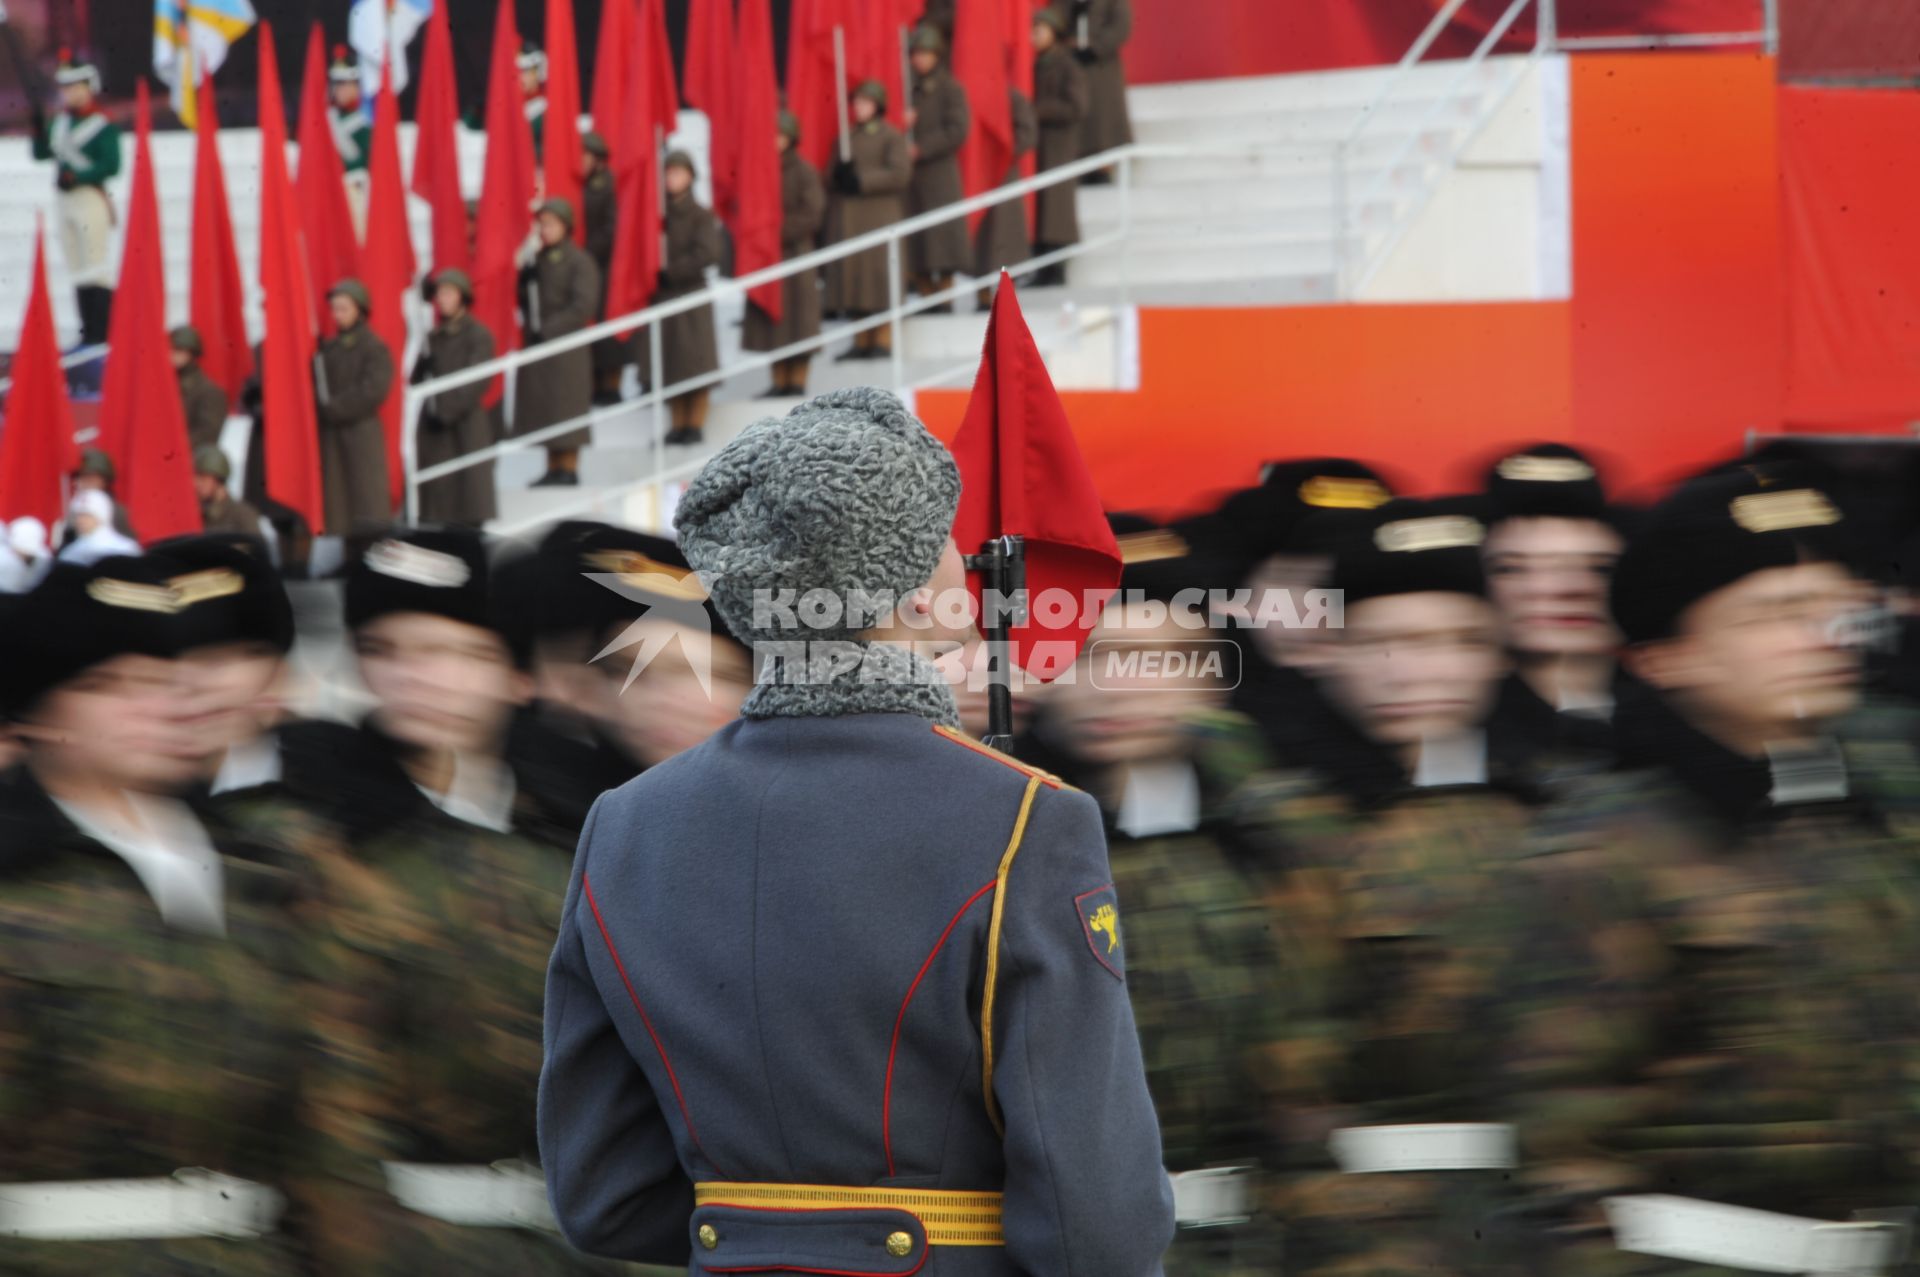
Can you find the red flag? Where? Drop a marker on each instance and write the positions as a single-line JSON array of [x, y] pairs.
[[506, 193], [143, 425], [714, 83], [388, 266], [561, 153], [758, 205], [1021, 474], [660, 101], [436, 153], [37, 452], [292, 438], [612, 67], [812, 95], [980, 42], [332, 251], [216, 302]]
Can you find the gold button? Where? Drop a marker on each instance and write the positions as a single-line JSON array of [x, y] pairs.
[[709, 1238], [899, 1244]]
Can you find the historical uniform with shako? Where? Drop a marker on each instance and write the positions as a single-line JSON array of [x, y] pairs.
[[869, 192], [155, 975], [85, 148], [803, 206], [351, 376], [940, 122], [851, 997], [532, 65], [352, 131]]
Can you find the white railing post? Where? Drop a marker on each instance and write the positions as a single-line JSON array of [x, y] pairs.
[[896, 354], [1772, 10], [1546, 26], [655, 384], [1126, 227], [410, 408], [1341, 228]]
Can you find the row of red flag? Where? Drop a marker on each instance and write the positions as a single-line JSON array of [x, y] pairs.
[[308, 240]]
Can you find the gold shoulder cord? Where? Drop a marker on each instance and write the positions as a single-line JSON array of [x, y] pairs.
[[993, 954]]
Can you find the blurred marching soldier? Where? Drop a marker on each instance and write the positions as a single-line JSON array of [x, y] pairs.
[[559, 295], [155, 974], [869, 192], [939, 121], [939, 15], [220, 510], [599, 205], [532, 65], [1772, 859], [988, 1095], [1437, 986], [205, 402], [430, 1024], [803, 205], [1002, 239], [1060, 100], [351, 376], [688, 346], [1202, 971], [455, 422], [96, 471], [352, 131], [1552, 542], [85, 148], [1101, 29]]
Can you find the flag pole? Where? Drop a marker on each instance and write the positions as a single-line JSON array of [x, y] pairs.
[[906, 70], [840, 92], [1002, 565]]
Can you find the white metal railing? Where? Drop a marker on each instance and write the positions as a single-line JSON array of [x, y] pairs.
[[890, 238], [1356, 256], [72, 359]]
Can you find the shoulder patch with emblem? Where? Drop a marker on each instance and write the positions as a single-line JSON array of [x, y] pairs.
[[1099, 912]]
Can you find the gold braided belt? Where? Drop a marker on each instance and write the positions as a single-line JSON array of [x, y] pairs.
[[950, 1217]]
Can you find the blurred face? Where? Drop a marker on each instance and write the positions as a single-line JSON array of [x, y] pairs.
[[1415, 667], [1043, 37], [440, 683], [84, 524], [924, 61], [864, 109], [530, 83], [666, 710], [121, 723], [448, 301], [969, 673], [1303, 647], [230, 693], [180, 359], [783, 142], [1549, 579], [552, 229], [89, 483], [345, 313], [1105, 714], [679, 181], [208, 487], [76, 97], [1759, 660], [346, 97]]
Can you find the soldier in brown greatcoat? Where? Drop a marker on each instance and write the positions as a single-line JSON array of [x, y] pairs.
[[205, 403], [600, 207], [352, 374], [688, 347], [457, 421], [803, 203], [1002, 240], [220, 510], [939, 122], [869, 192], [559, 295], [1101, 29], [1060, 103]]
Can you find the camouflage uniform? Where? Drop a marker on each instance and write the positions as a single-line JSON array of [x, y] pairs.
[[131, 1049], [1432, 974], [440, 932]]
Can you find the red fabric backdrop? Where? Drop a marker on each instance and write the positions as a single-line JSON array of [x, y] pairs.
[[1852, 260]]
